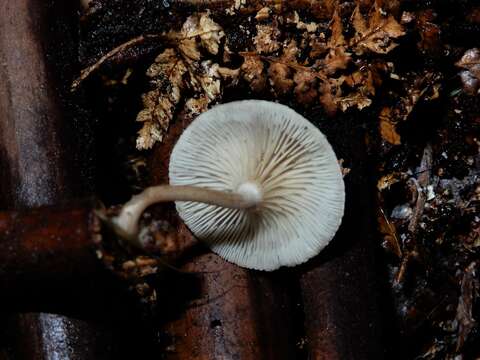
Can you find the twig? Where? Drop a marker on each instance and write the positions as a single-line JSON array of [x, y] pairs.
[[395, 243], [423, 182], [85, 73]]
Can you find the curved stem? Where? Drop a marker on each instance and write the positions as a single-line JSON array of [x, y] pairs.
[[126, 223]]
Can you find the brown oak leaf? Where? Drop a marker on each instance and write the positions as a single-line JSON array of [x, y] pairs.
[[376, 34]]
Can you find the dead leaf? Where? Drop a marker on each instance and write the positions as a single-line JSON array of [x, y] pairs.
[[470, 61], [167, 74], [263, 13], [195, 106], [318, 46], [388, 129], [319, 9], [207, 79], [266, 40], [329, 91], [210, 34], [430, 33], [181, 68], [254, 73], [469, 291], [198, 30], [336, 59], [310, 27], [388, 180], [389, 233], [377, 34], [148, 135], [305, 87], [337, 38], [356, 99], [280, 77], [281, 71]]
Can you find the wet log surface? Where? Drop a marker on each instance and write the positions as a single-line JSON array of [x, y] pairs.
[[39, 166], [47, 245]]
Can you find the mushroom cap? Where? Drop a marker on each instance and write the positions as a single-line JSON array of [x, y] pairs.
[[239, 145]]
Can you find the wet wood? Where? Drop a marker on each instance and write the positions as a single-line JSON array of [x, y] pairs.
[[38, 156], [31, 156], [231, 314], [58, 337], [47, 244]]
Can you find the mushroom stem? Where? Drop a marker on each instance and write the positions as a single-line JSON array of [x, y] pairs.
[[126, 223]]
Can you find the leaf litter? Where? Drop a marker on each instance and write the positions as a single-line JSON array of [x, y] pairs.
[[353, 56]]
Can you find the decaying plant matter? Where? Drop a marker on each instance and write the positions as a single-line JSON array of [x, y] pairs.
[[407, 71], [428, 190], [284, 55]]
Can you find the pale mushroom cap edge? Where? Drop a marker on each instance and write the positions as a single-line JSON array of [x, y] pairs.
[[271, 145]]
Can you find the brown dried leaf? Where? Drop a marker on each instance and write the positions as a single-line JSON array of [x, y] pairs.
[[330, 91], [358, 99], [388, 180], [266, 40], [295, 19], [336, 59], [389, 233], [469, 291], [280, 76], [229, 74], [388, 129], [189, 48], [430, 33], [337, 38], [319, 9], [198, 30], [290, 52], [254, 73], [169, 70], [210, 33], [206, 79], [167, 74], [470, 61], [263, 13], [148, 135], [378, 35], [195, 106], [305, 87], [318, 47], [281, 70]]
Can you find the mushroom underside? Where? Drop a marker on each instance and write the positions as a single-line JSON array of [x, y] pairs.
[[264, 150]]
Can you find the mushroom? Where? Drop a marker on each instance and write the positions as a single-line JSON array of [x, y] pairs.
[[256, 181]]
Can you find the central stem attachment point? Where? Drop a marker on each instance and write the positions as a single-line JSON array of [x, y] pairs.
[[251, 192]]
